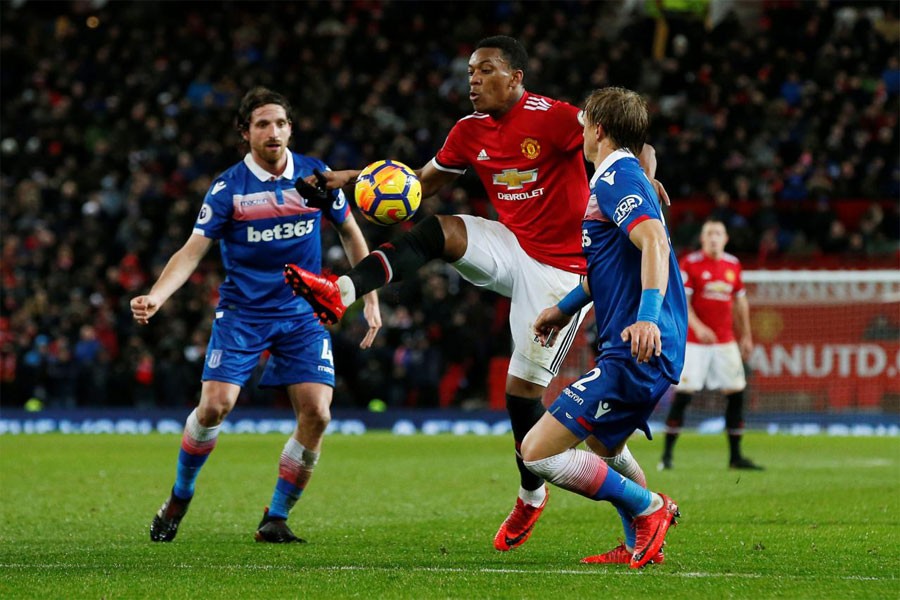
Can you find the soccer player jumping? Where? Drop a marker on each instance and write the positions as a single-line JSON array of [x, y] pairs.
[[526, 150], [258, 217], [641, 314]]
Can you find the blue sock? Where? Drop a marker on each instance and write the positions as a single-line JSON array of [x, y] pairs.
[[627, 526], [284, 498], [197, 442], [189, 466], [623, 493]]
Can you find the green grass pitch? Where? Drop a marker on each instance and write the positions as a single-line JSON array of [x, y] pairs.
[[413, 517]]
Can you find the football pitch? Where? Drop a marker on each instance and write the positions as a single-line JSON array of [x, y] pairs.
[[413, 517]]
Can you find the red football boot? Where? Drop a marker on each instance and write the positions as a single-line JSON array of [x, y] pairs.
[[321, 291], [517, 527]]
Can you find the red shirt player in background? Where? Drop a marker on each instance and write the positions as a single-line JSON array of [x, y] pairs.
[[527, 151], [717, 308]]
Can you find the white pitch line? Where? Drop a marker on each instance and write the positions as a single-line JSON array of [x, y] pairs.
[[585, 571]]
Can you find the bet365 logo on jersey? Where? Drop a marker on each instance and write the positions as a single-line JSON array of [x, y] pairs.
[[282, 231]]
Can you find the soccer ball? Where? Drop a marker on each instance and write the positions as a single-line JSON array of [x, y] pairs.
[[387, 192]]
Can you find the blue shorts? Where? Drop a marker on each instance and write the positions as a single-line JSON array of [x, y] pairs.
[[300, 351], [611, 401]]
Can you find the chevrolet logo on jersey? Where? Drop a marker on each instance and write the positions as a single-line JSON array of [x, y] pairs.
[[515, 179]]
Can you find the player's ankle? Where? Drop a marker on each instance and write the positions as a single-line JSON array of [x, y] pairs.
[[656, 503], [533, 497], [348, 290]]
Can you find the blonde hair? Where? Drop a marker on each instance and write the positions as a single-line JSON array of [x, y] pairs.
[[623, 115]]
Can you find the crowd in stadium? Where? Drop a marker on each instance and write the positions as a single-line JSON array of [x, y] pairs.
[[115, 120]]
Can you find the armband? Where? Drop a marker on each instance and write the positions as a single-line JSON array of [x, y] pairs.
[[574, 301], [651, 303]]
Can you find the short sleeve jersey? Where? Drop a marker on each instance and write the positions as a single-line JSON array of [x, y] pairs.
[[261, 223], [712, 285], [530, 163], [621, 198]]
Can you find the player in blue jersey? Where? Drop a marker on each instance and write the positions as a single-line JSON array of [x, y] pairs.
[[258, 216], [641, 313]]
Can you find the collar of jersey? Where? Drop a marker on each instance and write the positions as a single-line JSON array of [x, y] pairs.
[[516, 108], [264, 175], [617, 155]]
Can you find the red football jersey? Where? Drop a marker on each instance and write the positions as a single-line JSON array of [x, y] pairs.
[[530, 163], [711, 286]]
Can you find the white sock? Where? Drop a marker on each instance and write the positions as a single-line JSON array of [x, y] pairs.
[[533, 497], [348, 290], [198, 432], [656, 503]]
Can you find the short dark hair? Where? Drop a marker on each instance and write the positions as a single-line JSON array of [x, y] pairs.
[[513, 52], [712, 219], [255, 98], [623, 114]]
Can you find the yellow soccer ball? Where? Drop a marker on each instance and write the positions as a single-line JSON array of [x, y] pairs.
[[388, 192]]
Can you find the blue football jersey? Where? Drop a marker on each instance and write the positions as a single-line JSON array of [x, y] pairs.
[[262, 223], [621, 198]]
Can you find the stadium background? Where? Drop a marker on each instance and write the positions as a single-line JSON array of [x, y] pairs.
[[779, 117]]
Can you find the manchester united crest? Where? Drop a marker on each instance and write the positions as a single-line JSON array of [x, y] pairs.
[[531, 149], [730, 276]]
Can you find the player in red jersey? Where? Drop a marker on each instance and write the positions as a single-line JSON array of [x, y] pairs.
[[717, 308], [527, 151]]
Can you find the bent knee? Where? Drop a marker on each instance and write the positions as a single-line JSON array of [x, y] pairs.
[[546, 467], [529, 450], [213, 411], [316, 414]]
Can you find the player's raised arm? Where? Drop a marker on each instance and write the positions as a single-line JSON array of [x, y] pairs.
[[173, 276], [433, 179], [333, 180], [650, 237]]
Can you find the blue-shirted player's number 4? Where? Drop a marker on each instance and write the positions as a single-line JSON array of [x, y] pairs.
[[326, 352]]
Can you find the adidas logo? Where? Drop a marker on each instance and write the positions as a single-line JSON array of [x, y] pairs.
[[482, 155]]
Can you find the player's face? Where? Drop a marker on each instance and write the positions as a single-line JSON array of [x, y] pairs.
[[713, 239], [268, 134], [493, 84]]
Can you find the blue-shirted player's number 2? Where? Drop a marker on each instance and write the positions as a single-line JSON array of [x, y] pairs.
[[591, 375]]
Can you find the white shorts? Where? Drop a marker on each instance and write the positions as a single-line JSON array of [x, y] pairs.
[[494, 260], [713, 367]]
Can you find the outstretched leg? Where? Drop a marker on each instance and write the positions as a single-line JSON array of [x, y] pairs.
[[435, 237]]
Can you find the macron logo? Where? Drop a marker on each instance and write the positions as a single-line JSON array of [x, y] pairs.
[[609, 177], [482, 155], [220, 185]]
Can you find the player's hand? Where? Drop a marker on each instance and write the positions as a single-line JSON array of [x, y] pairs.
[[705, 335], [646, 340], [314, 190], [661, 192], [144, 307], [332, 180], [372, 312], [548, 324], [746, 345]]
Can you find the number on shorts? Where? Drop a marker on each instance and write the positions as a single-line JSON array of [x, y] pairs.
[[592, 375], [326, 351]]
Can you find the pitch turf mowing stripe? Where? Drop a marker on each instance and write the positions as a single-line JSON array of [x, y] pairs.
[[614, 570]]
